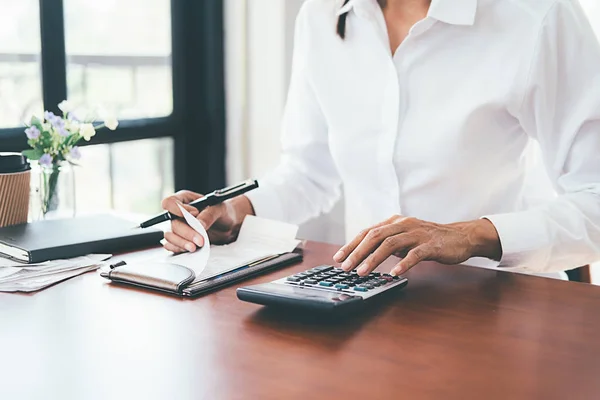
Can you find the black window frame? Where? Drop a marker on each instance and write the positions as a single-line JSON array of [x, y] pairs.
[[197, 123]]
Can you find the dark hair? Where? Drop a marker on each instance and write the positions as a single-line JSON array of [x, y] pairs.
[[341, 25]]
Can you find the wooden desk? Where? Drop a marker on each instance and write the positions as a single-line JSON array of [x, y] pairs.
[[453, 333]]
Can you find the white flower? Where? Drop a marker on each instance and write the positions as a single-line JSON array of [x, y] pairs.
[[111, 123], [72, 126], [66, 106], [87, 131]]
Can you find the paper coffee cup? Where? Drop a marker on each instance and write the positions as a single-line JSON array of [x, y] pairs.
[[15, 177]]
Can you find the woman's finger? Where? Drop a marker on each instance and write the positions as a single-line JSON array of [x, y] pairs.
[[413, 257], [345, 251], [180, 242], [183, 230], [390, 245], [183, 197], [210, 215], [172, 248], [372, 240]]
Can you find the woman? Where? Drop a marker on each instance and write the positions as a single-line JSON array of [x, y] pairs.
[[427, 112]]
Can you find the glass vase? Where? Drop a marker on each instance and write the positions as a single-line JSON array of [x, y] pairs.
[[56, 191]]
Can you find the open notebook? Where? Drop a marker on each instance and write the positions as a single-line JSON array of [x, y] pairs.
[[258, 238], [262, 244]]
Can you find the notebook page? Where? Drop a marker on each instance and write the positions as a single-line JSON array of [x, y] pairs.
[[258, 239]]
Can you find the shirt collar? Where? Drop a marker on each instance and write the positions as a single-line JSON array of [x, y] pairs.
[[454, 12], [361, 7]]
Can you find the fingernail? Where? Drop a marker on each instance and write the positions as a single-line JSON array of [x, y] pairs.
[[346, 265], [363, 269], [338, 256], [189, 247], [199, 241], [396, 272]]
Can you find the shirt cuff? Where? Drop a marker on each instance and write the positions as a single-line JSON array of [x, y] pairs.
[[523, 237], [266, 203]]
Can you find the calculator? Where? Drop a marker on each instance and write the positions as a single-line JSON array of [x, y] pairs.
[[322, 288]]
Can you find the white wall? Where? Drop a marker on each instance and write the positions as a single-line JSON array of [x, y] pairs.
[[259, 44]]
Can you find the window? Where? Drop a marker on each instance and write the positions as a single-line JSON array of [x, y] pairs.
[[156, 64], [120, 57], [20, 78], [132, 177]]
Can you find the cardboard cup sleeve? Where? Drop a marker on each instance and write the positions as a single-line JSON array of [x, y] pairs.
[[14, 198]]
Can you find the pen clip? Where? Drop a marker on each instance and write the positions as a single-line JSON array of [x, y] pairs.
[[247, 184], [119, 264]]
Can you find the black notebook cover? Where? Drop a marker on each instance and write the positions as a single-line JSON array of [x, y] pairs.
[[66, 238]]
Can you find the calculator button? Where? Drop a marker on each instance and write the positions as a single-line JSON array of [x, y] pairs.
[[294, 279], [375, 274], [311, 281], [361, 289], [323, 268], [382, 281], [341, 286], [325, 283]]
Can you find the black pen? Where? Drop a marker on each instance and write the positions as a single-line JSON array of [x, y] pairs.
[[216, 197]]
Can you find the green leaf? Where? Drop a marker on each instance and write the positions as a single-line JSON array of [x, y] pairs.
[[35, 121], [33, 154]]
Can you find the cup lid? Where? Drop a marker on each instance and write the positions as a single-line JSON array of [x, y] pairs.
[[11, 163]]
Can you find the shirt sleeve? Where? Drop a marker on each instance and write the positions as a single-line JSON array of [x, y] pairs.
[[306, 182], [561, 110]]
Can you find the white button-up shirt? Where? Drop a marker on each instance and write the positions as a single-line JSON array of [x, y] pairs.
[[444, 130]]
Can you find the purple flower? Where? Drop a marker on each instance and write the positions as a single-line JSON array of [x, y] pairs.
[[75, 153], [62, 131], [46, 160], [49, 116], [58, 123], [32, 132]]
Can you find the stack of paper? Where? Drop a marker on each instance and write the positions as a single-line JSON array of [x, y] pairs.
[[17, 277]]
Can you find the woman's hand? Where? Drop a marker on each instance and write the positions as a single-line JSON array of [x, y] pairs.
[[222, 221], [414, 241]]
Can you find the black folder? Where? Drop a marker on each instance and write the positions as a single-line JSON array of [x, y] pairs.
[[65, 238]]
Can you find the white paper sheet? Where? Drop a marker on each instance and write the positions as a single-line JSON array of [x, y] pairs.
[[29, 277], [258, 238], [32, 284], [7, 271], [202, 255]]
